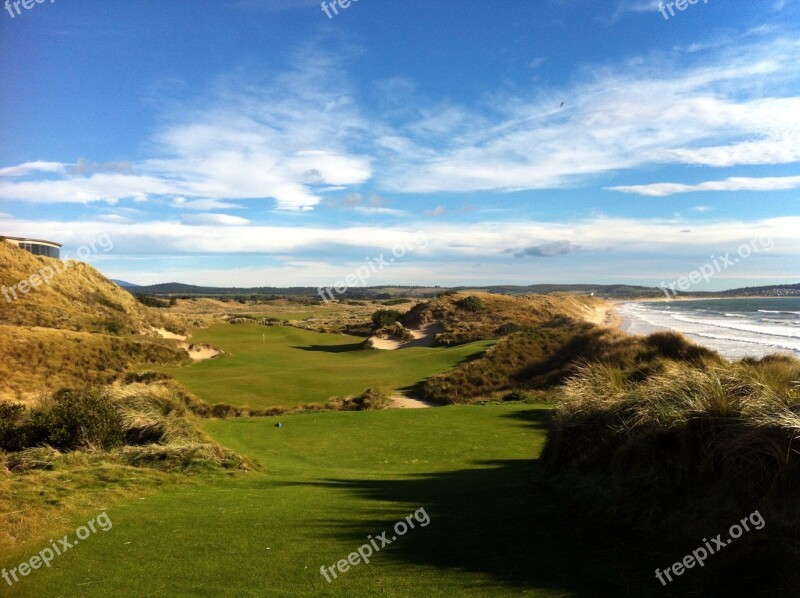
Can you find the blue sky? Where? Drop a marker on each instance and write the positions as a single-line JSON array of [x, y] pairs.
[[259, 142]]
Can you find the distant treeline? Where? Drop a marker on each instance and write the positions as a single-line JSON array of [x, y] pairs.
[[615, 291]]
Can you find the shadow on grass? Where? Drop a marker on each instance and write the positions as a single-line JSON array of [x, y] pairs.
[[499, 519], [537, 418], [333, 348]]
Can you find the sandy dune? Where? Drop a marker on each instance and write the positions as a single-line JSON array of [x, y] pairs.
[[602, 315]]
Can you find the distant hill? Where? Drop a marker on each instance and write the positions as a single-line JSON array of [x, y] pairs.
[[786, 290], [613, 291], [123, 284], [392, 292]]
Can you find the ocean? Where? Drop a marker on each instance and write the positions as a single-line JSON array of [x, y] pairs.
[[735, 328]]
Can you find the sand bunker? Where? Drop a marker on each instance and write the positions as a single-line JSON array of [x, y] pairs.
[[423, 337], [403, 402], [201, 352], [164, 333]]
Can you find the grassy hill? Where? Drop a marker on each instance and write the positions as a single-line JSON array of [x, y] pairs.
[[35, 361], [541, 358], [77, 297], [77, 328], [466, 317]]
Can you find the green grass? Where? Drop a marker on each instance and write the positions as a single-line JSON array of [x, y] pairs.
[[286, 366], [296, 315], [330, 479]]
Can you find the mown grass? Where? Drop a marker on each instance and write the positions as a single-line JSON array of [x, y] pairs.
[[268, 366], [329, 480]]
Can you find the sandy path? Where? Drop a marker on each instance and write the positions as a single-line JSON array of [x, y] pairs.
[[423, 337]]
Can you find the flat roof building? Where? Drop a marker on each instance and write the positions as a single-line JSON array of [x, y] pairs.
[[37, 246]]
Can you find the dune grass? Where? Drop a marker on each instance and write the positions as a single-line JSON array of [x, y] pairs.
[[329, 480], [34, 362], [685, 451], [543, 357], [268, 366]]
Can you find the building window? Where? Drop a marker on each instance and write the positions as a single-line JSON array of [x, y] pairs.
[[39, 249]]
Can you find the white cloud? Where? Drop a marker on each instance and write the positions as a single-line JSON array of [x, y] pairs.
[[714, 110], [208, 235], [221, 219], [295, 135], [730, 184], [114, 219], [202, 205], [635, 6], [98, 187], [249, 141], [32, 167]]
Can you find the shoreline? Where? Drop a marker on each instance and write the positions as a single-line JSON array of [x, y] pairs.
[[731, 340]]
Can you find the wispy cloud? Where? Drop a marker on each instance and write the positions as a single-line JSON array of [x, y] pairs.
[[730, 184], [626, 7], [435, 212], [221, 219], [32, 167], [202, 205], [306, 131], [277, 140], [714, 110]]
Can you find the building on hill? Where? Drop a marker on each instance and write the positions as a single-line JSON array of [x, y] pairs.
[[37, 246]]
